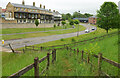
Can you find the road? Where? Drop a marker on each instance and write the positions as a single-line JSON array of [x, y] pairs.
[[37, 40]]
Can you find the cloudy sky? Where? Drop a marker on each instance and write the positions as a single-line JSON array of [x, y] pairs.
[[64, 6]]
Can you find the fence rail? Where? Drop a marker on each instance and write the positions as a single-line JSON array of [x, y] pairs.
[[35, 65]]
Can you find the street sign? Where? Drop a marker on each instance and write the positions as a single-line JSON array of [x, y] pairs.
[[119, 6]]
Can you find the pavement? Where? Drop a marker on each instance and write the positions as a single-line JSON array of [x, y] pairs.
[[38, 40]]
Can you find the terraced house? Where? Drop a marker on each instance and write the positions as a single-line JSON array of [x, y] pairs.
[[21, 13]]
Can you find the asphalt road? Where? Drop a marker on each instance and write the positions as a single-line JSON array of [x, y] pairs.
[[37, 40]]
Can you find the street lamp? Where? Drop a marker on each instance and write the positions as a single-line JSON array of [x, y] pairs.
[[78, 28], [44, 22]]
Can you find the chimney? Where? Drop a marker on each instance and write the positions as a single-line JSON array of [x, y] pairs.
[[40, 5], [23, 3], [49, 9], [33, 3], [44, 6], [53, 10]]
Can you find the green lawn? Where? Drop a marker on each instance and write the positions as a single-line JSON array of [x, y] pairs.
[[41, 34], [68, 65], [22, 30]]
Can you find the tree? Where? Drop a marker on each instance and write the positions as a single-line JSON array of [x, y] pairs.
[[36, 22], [76, 21], [108, 16], [71, 22], [63, 22]]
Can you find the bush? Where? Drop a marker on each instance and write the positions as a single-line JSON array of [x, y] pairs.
[[76, 21], [62, 39], [71, 22], [54, 25], [73, 40], [63, 22], [36, 22]]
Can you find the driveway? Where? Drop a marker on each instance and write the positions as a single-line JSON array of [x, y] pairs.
[[37, 40]]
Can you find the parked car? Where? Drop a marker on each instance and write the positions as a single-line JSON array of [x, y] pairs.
[[93, 28], [87, 31]]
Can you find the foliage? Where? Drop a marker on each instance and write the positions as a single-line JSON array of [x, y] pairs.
[[63, 22], [68, 16], [36, 22], [62, 39], [71, 22], [108, 16], [54, 25], [73, 40], [92, 49], [76, 21]]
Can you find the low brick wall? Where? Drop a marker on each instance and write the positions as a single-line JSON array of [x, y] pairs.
[[26, 25]]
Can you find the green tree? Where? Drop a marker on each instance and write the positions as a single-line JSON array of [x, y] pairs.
[[71, 22], [76, 21], [63, 22], [36, 22], [108, 16]]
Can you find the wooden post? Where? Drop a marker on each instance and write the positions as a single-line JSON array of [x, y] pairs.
[[23, 51], [25, 47], [11, 48], [53, 55], [48, 60], [88, 59], [67, 47], [33, 47], [36, 67], [74, 51], [77, 51], [41, 48], [82, 55], [99, 63]]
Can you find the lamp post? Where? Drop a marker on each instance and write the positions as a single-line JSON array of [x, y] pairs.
[[44, 22], [78, 27]]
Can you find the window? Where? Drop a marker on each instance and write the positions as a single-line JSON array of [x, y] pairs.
[[20, 20], [16, 8], [24, 20]]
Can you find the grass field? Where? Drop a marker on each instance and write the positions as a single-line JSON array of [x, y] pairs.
[[40, 34], [22, 30], [68, 65]]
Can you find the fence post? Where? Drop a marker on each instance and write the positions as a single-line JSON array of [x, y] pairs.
[[48, 60], [25, 47], [36, 67], [82, 55], [77, 51], [88, 59], [11, 48], [23, 51], [33, 47], [53, 55], [41, 48], [99, 63], [67, 47], [74, 51]]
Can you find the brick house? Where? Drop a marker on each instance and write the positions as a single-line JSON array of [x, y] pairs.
[[92, 20]]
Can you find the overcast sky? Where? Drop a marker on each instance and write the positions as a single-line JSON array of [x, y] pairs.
[[64, 6]]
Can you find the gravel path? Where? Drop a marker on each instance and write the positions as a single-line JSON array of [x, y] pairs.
[[37, 40]]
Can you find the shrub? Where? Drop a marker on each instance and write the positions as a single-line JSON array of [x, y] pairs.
[[71, 22], [76, 21], [63, 22], [62, 39], [36, 22], [54, 25], [73, 40]]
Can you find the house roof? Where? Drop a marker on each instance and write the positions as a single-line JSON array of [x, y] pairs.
[[81, 18], [93, 17], [29, 6]]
